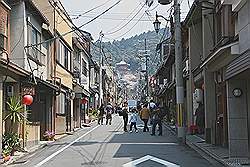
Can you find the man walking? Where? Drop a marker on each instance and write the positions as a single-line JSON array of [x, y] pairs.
[[125, 116], [100, 114], [109, 110], [157, 120], [151, 107]]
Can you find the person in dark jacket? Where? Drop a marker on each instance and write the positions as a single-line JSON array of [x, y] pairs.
[[125, 116], [158, 116], [109, 111], [101, 114], [200, 118]]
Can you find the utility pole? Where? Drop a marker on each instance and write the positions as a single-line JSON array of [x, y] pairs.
[[146, 77], [178, 65], [179, 73], [101, 67]]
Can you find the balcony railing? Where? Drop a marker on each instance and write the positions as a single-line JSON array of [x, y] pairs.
[[37, 55]]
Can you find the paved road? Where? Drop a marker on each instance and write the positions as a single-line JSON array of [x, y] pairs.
[[109, 146]]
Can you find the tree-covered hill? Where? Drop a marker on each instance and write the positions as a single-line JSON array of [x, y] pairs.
[[130, 50]]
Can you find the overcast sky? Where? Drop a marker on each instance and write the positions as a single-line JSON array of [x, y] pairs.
[[118, 16]]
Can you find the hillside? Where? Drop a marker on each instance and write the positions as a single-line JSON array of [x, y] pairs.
[[129, 50]]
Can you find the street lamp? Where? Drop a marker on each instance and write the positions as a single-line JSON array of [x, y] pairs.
[[157, 23]]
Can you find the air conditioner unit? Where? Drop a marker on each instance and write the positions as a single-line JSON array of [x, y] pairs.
[[10, 90]]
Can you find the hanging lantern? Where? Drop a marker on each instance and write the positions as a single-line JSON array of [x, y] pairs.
[[84, 101], [27, 99]]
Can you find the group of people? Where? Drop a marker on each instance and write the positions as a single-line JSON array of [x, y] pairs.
[[148, 111], [108, 110]]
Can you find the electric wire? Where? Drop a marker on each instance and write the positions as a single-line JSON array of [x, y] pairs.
[[108, 33], [80, 15], [130, 28], [124, 19], [52, 39]]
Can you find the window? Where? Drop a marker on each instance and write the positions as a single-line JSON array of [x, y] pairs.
[[60, 103], [3, 29], [66, 57], [35, 37], [78, 56], [63, 55], [84, 68]]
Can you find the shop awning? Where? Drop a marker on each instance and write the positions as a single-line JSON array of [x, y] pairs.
[[48, 85], [78, 89], [219, 51]]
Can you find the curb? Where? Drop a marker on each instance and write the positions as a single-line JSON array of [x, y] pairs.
[[209, 156], [203, 152]]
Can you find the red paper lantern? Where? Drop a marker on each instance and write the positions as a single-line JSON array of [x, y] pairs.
[[27, 99], [84, 101]]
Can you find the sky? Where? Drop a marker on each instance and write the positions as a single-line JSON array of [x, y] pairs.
[[115, 23]]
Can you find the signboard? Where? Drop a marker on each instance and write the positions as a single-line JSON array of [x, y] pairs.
[[28, 90]]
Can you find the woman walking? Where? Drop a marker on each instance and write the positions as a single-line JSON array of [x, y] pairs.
[[144, 115]]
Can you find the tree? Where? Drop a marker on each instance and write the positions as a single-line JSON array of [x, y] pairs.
[[15, 112]]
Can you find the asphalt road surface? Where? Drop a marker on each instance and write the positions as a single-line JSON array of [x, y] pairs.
[[109, 146]]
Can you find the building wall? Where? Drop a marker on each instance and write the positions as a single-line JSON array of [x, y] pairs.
[[84, 78], [18, 33], [195, 40], [244, 27], [46, 8], [237, 119], [65, 76]]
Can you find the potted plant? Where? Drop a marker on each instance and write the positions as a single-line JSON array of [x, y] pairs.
[[15, 114], [49, 135], [11, 143]]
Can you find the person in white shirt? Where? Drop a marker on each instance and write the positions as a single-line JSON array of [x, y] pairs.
[[151, 107], [133, 120]]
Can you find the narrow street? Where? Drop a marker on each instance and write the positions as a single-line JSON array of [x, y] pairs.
[[109, 146]]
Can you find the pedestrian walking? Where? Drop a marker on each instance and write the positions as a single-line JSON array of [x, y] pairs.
[[157, 120], [200, 118], [125, 116], [151, 107], [133, 120], [109, 111], [144, 115], [100, 114]]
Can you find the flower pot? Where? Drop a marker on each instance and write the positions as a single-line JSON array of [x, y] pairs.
[[6, 158], [50, 139]]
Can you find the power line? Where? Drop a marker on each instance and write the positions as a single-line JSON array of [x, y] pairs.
[[123, 19], [119, 19], [108, 33], [131, 27], [80, 15], [49, 40]]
